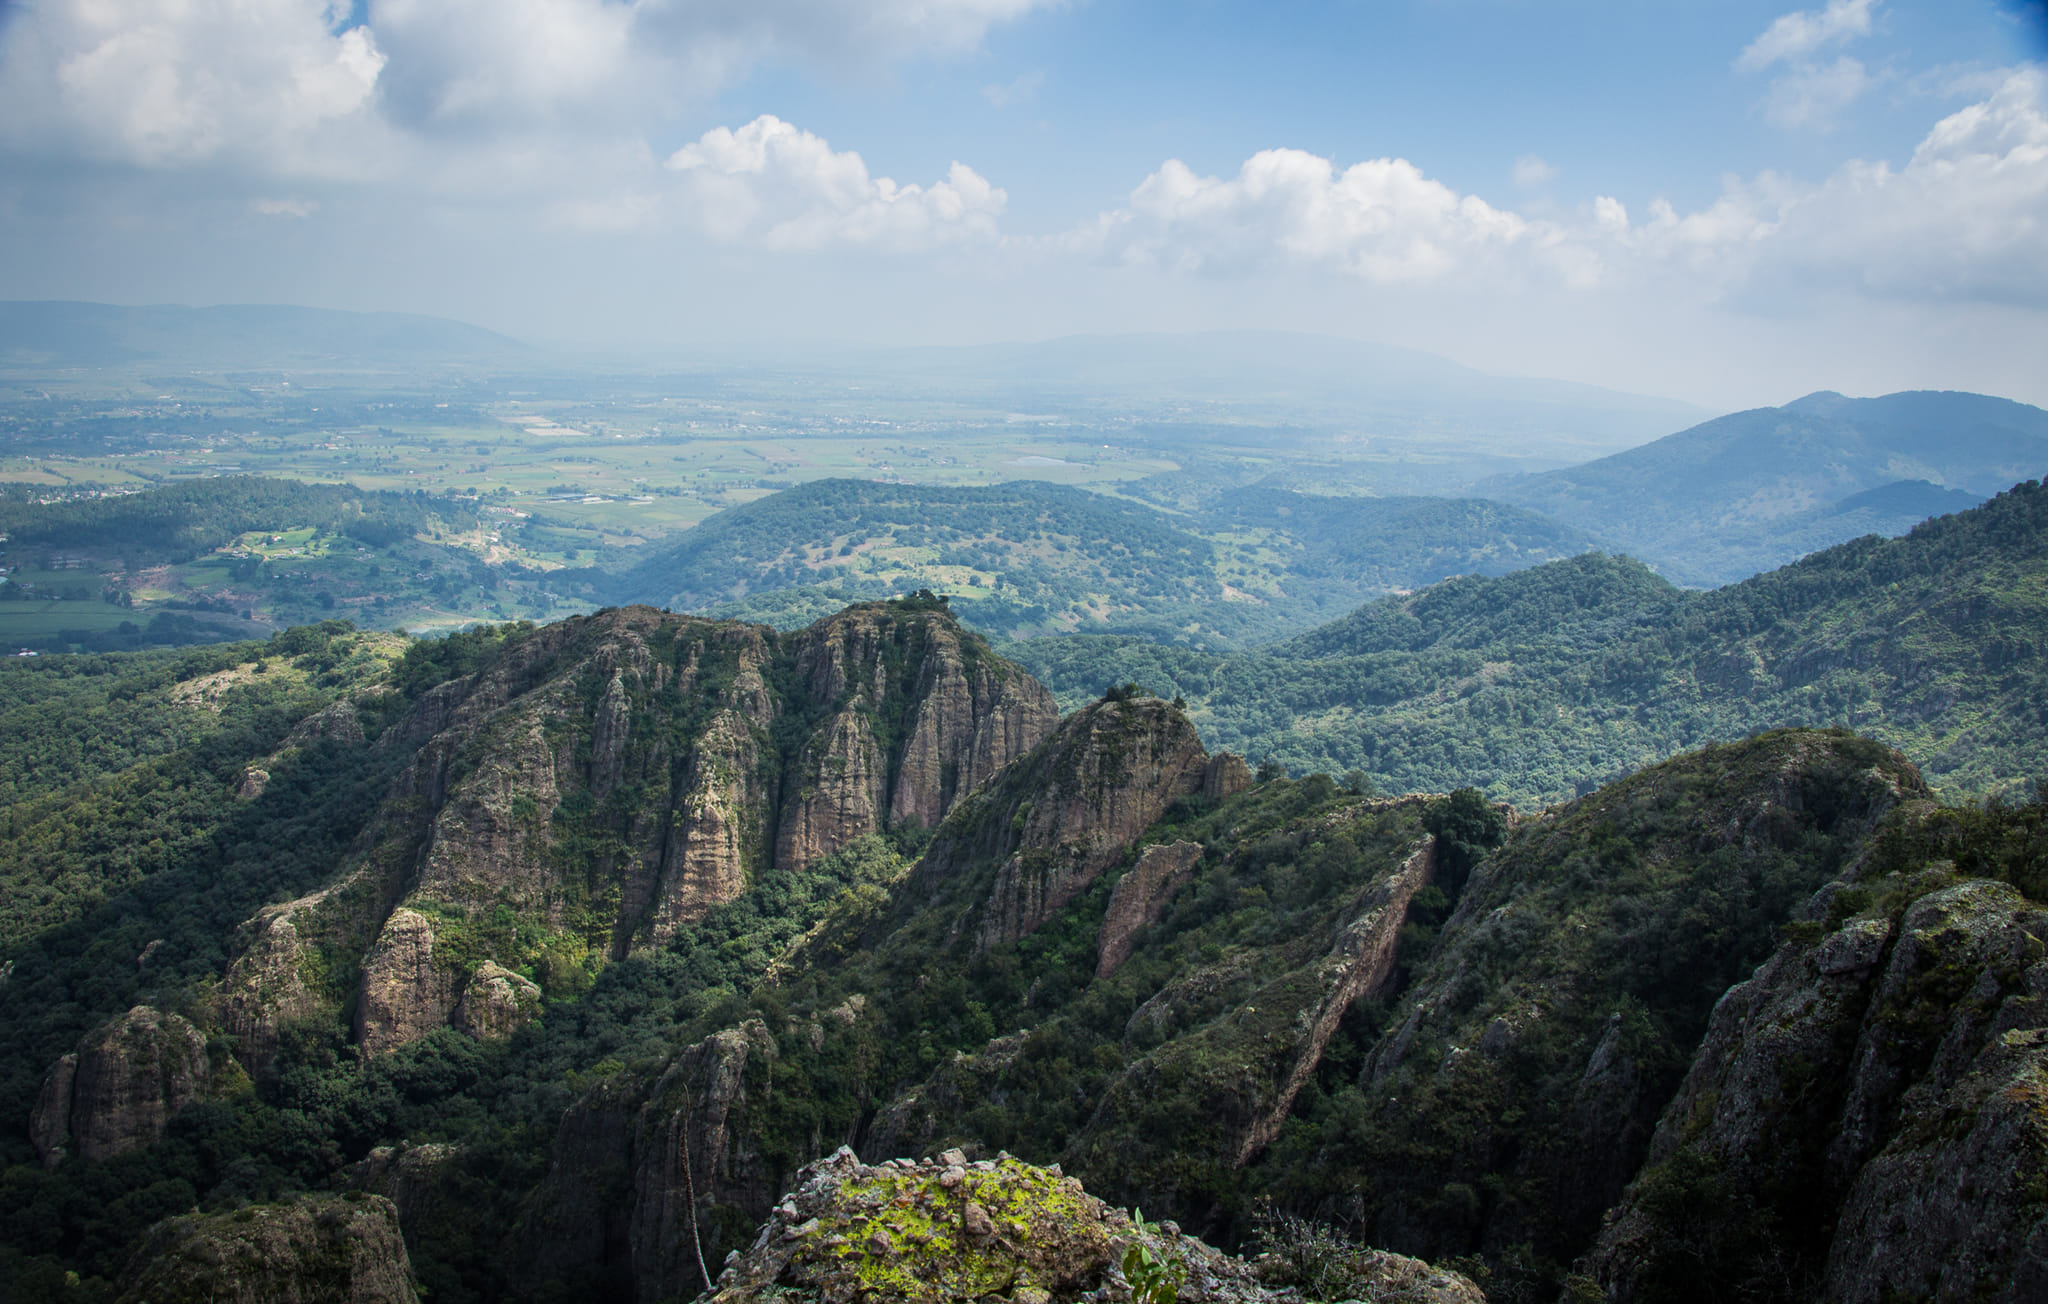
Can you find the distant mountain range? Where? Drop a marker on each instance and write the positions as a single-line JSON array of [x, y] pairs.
[[60, 334], [1746, 492], [1541, 683]]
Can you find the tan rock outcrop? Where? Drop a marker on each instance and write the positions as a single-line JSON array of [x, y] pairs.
[[315, 1250], [414, 1179], [956, 714], [404, 994], [967, 722], [1226, 776], [495, 1003], [843, 794], [116, 1092], [613, 778], [265, 987], [1139, 898], [1106, 775], [1360, 962]]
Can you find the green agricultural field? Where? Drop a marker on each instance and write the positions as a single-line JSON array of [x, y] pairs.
[[25, 622]]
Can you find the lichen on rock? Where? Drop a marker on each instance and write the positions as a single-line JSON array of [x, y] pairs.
[[935, 1231]]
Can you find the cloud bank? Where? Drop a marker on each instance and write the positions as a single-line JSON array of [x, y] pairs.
[[295, 86], [1965, 218]]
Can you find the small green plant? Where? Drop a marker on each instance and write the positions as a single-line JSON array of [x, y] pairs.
[[1154, 1278]]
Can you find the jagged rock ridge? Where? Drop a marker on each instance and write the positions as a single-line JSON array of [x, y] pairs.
[[609, 780]]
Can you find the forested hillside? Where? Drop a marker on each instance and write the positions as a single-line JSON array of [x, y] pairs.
[[1538, 684], [576, 942], [1747, 492], [229, 558], [1027, 558], [178, 522]]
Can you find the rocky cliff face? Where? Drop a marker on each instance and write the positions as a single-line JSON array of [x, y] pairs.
[[608, 781], [640, 1169], [316, 1250], [621, 1197], [1260, 1037], [117, 1090], [1069, 812], [1573, 982], [1866, 1119], [1139, 897], [267, 985]]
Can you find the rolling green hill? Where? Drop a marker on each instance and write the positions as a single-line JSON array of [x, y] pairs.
[[1746, 492], [1026, 558], [1537, 684]]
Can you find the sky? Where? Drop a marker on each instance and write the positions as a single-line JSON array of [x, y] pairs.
[[1716, 200]]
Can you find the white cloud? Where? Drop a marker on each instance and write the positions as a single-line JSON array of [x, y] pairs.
[[1530, 171], [279, 86], [170, 84], [1797, 36], [300, 208], [1381, 220], [1019, 90], [772, 184], [1812, 95], [1964, 219]]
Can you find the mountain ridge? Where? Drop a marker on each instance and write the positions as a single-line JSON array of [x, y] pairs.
[[1719, 501]]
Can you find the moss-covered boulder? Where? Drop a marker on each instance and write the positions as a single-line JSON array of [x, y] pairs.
[[939, 1230]]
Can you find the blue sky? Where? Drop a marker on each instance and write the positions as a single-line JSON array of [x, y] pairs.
[[1727, 202]]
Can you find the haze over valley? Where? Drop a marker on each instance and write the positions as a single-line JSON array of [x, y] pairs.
[[1002, 651]]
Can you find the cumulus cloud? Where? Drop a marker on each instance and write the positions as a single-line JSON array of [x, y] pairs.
[[1965, 218], [289, 85], [164, 85], [1380, 220], [773, 184], [1799, 35]]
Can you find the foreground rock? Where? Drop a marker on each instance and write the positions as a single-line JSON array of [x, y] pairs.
[[946, 1230], [328, 1250]]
